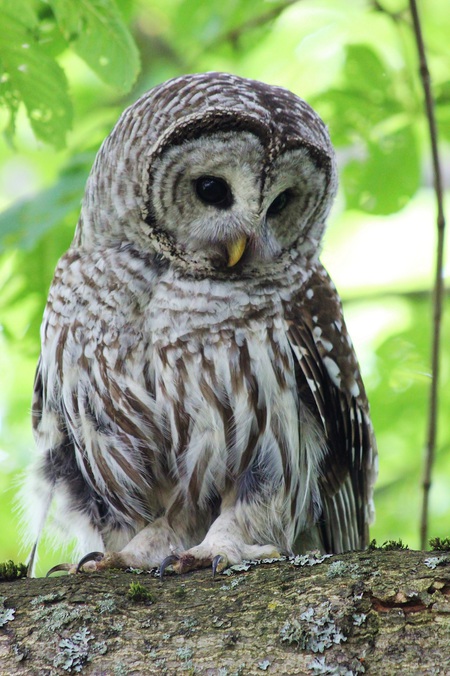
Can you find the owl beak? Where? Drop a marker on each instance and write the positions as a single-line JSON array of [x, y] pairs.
[[236, 250]]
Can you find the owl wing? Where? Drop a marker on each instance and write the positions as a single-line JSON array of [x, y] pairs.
[[93, 406], [330, 385]]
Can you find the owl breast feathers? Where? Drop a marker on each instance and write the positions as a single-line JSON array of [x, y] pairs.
[[197, 399]]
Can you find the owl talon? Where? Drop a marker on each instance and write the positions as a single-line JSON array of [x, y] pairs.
[[166, 563], [92, 556], [67, 567], [215, 563]]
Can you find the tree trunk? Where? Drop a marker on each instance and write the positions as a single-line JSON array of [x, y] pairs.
[[380, 612]]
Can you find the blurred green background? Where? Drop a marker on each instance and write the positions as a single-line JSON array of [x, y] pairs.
[[68, 69]]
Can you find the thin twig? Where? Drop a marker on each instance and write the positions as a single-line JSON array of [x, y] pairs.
[[234, 35], [395, 16], [439, 278]]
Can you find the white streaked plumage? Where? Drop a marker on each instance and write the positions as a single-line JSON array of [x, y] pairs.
[[197, 394]]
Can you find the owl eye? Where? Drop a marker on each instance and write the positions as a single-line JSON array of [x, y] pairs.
[[214, 191], [279, 203]]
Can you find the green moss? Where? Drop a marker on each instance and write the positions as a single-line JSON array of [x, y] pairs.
[[393, 545], [12, 571], [180, 591], [137, 593], [440, 544], [388, 546]]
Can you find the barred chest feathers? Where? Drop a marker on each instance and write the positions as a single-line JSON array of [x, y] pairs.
[[227, 401]]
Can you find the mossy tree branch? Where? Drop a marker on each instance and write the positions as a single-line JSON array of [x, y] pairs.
[[377, 611]]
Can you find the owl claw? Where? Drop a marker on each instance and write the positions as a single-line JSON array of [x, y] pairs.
[[92, 556], [73, 568], [167, 562], [215, 562], [67, 567]]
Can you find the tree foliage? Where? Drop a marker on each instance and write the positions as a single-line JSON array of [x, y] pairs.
[[69, 68], [34, 35]]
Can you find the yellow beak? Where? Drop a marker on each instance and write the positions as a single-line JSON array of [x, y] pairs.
[[236, 250]]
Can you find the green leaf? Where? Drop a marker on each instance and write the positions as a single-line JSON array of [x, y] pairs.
[[221, 26], [366, 116], [388, 176], [23, 10], [23, 225], [364, 67], [365, 98], [95, 31], [31, 76]]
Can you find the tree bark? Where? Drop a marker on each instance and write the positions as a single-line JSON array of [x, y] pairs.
[[379, 612]]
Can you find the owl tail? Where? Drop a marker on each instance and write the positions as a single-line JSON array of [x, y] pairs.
[[33, 502], [32, 559]]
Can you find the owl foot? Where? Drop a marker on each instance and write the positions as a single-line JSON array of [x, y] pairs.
[[200, 557], [145, 550], [186, 562], [92, 563], [89, 563], [97, 562]]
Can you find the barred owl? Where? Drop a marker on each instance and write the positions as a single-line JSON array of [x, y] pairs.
[[197, 399]]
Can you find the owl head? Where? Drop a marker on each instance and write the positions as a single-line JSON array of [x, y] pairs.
[[212, 171]]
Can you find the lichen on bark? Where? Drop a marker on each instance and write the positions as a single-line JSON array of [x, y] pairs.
[[377, 612]]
